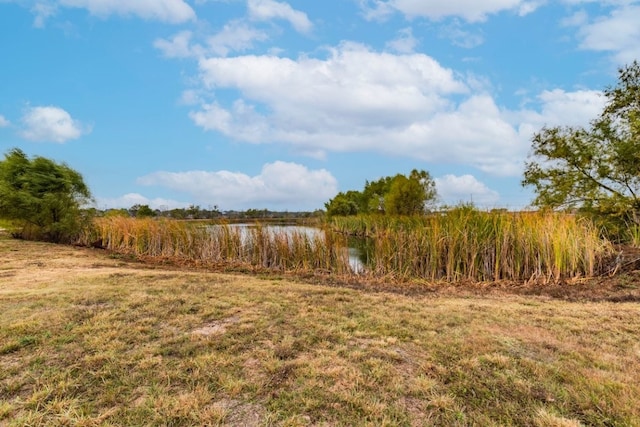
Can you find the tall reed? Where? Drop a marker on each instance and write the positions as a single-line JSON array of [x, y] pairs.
[[461, 244], [467, 244], [262, 247]]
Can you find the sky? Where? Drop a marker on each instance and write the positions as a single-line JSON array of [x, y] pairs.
[[280, 105]]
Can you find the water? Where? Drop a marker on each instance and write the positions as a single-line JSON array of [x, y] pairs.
[[356, 253]]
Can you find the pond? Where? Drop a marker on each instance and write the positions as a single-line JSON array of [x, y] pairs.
[[356, 248]]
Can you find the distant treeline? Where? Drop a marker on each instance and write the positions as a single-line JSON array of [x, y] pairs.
[[197, 212]]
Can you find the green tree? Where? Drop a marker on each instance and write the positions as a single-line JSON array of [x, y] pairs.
[[596, 170], [409, 195], [144, 211], [373, 195], [397, 195], [344, 204], [42, 198]]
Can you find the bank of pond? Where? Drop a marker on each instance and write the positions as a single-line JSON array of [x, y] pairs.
[[460, 245]]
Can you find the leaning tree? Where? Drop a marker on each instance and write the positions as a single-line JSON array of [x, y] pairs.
[[42, 198], [595, 169]]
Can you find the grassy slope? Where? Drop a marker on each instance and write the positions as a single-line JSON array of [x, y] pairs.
[[90, 340]]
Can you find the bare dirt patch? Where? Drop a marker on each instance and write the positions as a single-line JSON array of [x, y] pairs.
[[216, 328]]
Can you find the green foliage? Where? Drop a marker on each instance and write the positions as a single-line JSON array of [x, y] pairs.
[[408, 196], [141, 211], [344, 204], [373, 195], [397, 195], [595, 170], [41, 197]]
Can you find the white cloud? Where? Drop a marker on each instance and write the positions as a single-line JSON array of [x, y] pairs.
[[4, 122], [376, 10], [178, 46], [469, 10], [527, 7], [243, 122], [235, 36], [42, 11], [576, 19], [190, 97], [171, 11], [399, 105], [405, 42], [339, 87], [602, 2], [571, 108], [453, 190], [265, 10], [51, 124], [559, 108], [281, 184], [617, 33]]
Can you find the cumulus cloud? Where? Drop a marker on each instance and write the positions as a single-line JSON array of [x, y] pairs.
[[469, 10], [559, 108], [265, 10], [400, 104], [617, 33], [406, 105], [279, 184], [4, 122], [453, 190], [571, 108], [51, 124]]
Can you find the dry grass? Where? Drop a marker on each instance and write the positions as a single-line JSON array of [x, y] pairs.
[[467, 244], [220, 244], [86, 339], [461, 245]]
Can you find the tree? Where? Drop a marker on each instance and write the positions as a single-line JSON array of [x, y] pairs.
[[344, 204], [596, 170], [144, 211], [373, 195], [409, 196], [41, 197], [397, 195]]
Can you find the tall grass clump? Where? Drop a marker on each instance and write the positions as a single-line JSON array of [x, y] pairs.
[[467, 244], [220, 244]]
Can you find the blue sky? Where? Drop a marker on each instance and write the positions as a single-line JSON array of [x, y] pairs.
[[281, 104]]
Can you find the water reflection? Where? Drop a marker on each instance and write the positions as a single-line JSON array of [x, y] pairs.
[[360, 251], [358, 248]]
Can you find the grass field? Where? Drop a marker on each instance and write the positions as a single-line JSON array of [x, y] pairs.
[[88, 338]]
